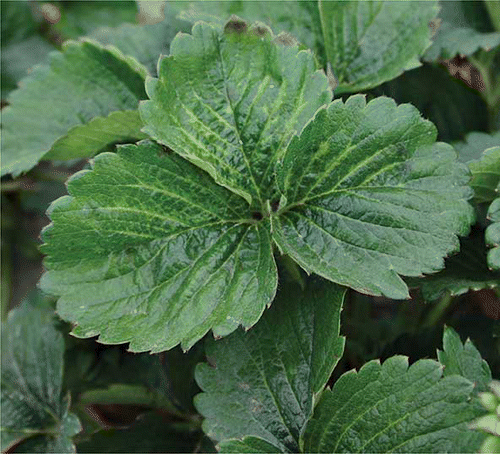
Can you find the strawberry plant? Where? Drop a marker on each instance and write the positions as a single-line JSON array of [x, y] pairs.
[[279, 228]]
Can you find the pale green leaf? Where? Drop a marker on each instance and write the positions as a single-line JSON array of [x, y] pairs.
[[83, 81], [464, 360], [147, 249], [486, 175], [475, 143], [394, 408], [465, 28], [368, 195], [370, 42], [492, 235], [263, 382], [32, 404], [230, 103]]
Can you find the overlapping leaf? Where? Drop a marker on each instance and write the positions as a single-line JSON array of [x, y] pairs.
[[369, 195], [486, 175], [370, 42], [467, 270], [149, 250], [365, 43], [263, 382], [465, 28], [492, 235], [394, 408], [230, 103], [475, 143], [464, 360], [83, 81], [34, 411]]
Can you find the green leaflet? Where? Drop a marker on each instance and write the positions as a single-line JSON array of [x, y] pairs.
[[368, 195], [486, 175], [230, 103], [475, 143], [83, 81], [467, 270], [466, 27], [492, 235], [149, 250], [365, 43], [34, 411], [370, 42], [464, 360], [264, 382], [391, 407]]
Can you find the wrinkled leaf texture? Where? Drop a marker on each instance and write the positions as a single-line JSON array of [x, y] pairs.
[[153, 250]]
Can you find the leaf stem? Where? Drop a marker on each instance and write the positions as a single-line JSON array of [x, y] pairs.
[[438, 311]]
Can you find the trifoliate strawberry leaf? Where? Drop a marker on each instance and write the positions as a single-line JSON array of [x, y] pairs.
[[82, 82], [492, 235], [371, 42], [230, 102], [465, 28], [33, 407], [486, 175], [263, 383], [464, 360], [147, 249], [368, 195], [391, 407]]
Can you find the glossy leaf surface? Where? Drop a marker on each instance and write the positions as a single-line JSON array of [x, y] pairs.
[[230, 103], [149, 250], [370, 195], [370, 42], [394, 408], [463, 359], [82, 82], [263, 382], [33, 407]]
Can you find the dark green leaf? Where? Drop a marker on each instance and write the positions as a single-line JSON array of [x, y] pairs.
[[492, 235], [146, 43], [83, 82], [486, 175], [394, 408], [78, 18], [460, 111], [475, 143], [464, 360], [464, 271], [230, 103], [32, 401], [370, 42], [368, 195], [263, 382], [300, 19], [150, 433], [149, 250], [248, 445], [465, 28]]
